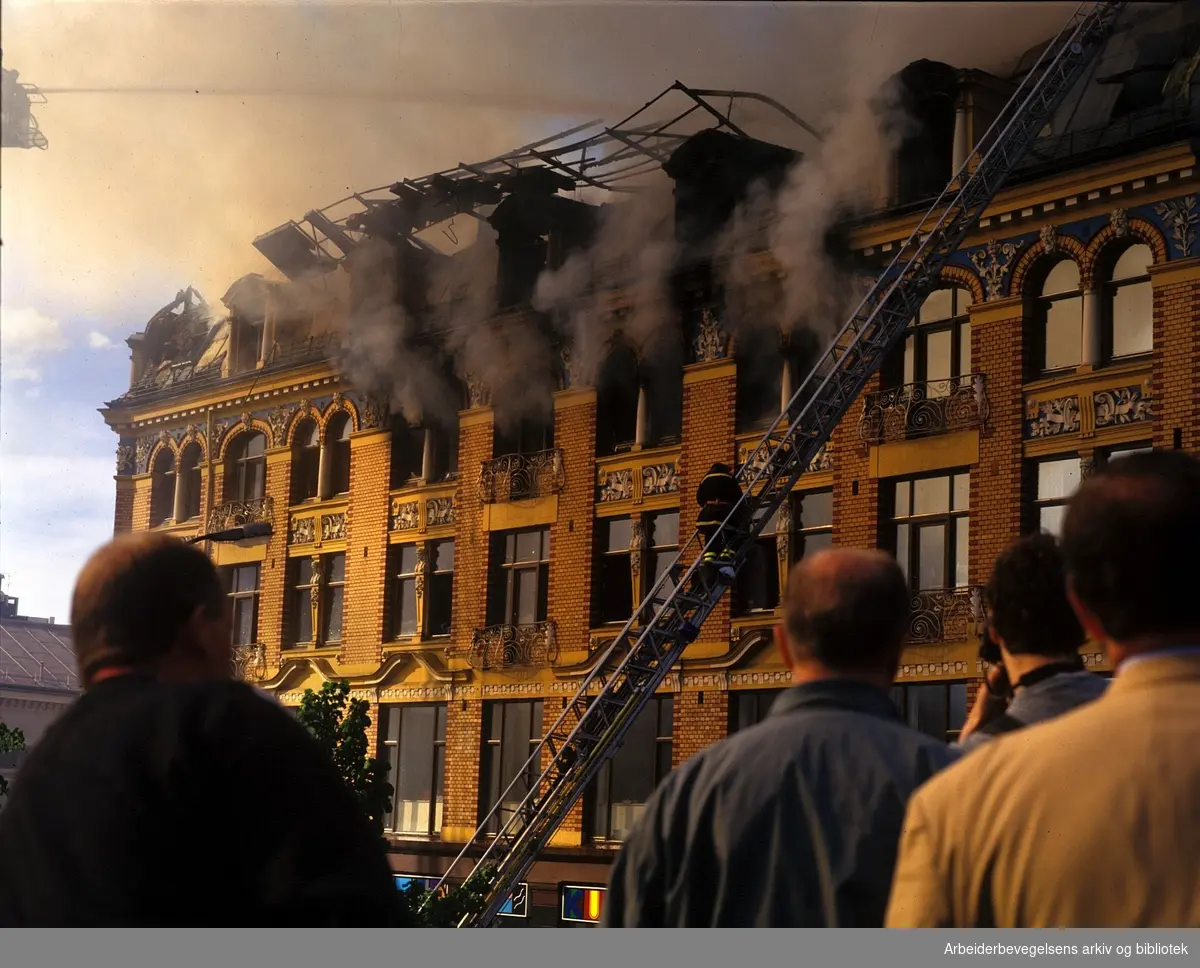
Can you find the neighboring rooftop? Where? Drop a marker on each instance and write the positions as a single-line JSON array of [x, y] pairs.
[[35, 653]]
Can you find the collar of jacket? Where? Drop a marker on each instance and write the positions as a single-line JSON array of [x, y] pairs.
[[850, 695], [1151, 668]]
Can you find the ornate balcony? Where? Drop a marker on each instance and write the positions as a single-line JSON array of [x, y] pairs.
[[250, 662], [949, 615], [234, 514], [513, 647], [924, 409], [519, 477]]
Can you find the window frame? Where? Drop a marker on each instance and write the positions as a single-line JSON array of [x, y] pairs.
[[1109, 290], [915, 346], [238, 461], [492, 761], [433, 573], [162, 488], [949, 519], [598, 796], [236, 596], [899, 694], [1038, 504], [339, 452], [505, 572], [193, 482], [1041, 306], [436, 802], [603, 563], [305, 475], [321, 587], [763, 700], [398, 579]]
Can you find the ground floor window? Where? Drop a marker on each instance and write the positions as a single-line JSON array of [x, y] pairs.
[[938, 709]]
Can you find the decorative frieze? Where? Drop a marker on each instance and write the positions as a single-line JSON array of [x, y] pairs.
[[925, 669], [516, 477], [432, 692], [126, 459], [1050, 418], [439, 512], [767, 679], [303, 531], [372, 411], [279, 420], [660, 479], [479, 394], [711, 341], [1123, 405], [1119, 220], [1180, 216], [1049, 239], [993, 262], [616, 485], [405, 515], [333, 526], [236, 514]]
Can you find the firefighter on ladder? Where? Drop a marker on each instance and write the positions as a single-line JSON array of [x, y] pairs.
[[716, 496]]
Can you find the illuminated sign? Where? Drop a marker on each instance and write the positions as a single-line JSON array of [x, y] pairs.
[[517, 905], [582, 903], [405, 881]]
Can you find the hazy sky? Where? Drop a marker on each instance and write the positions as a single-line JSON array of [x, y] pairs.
[[179, 130]]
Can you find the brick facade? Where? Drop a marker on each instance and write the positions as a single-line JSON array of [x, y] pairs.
[[124, 508], [701, 719], [855, 491], [1176, 311], [366, 545], [464, 733]]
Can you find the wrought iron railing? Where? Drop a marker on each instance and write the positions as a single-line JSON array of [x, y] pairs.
[[234, 514], [924, 409], [250, 662], [945, 615], [516, 477], [513, 646]]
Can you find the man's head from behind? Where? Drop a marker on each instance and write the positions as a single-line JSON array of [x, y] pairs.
[[1129, 542], [1027, 596], [846, 614], [153, 603]]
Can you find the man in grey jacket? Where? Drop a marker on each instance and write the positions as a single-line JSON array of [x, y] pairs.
[[1037, 637], [793, 822]]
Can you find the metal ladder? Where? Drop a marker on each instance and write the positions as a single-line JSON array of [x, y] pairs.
[[593, 724]]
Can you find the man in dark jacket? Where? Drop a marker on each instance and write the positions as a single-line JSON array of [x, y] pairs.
[[170, 795], [793, 822], [717, 495]]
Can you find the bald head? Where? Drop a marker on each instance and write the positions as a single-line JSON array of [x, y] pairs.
[[143, 599], [847, 609]]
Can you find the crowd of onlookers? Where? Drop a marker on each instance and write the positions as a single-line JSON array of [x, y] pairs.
[[171, 795]]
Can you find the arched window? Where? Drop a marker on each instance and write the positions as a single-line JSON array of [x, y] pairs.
[[937, 348], [1058, 317], [306, 461], [616, 401], [189, 468], [162, 487], [1129, 305], [246, 467], [337, 439]]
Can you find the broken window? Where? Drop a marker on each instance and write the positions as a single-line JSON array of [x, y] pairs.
[[759, 379], [306, 461], [529, 435], [617, 401], [757, 587], [337, 439], [614, 579], [408, 452]]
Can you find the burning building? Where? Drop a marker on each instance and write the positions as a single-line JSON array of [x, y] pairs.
[[476, 409]]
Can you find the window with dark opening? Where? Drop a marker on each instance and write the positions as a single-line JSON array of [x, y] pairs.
[[439, 589], [408, 452], [520, 577], [511, 732], [616, 401], [246, 467], [749, 707], [759, 378], [404, 590], [189, 466], [938, 709], [306, 461], [337, 439], [241, 585], [619, 793]]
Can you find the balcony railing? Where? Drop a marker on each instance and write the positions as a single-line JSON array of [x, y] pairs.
[[234, 514], [945, 615], [513, 646], [924, 409], [517, 477], [250, 662]]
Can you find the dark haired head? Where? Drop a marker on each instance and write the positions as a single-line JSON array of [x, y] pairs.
[[1027, 595], [135, 599], [848, 610], [1130, 542]]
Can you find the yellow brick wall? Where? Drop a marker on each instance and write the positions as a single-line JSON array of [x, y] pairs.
[[273, 574], [708, 424], [141, 503], [464, 725], [699, 722], [366, 547], [855, 513], [997, 350], [124, 509], [571, 535], [1176, 379]]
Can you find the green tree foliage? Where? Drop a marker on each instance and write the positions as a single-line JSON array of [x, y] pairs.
[[446, 909], [340, 725], [11, 741]]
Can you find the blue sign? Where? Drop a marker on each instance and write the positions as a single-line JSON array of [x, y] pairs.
[[405, 881], [517, 905]]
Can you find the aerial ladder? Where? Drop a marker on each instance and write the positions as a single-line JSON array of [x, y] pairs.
[[593, 724]]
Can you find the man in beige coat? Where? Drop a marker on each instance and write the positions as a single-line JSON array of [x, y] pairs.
[[1090, 819]]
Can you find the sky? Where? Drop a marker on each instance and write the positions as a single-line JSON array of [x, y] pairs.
[[179, 130]]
